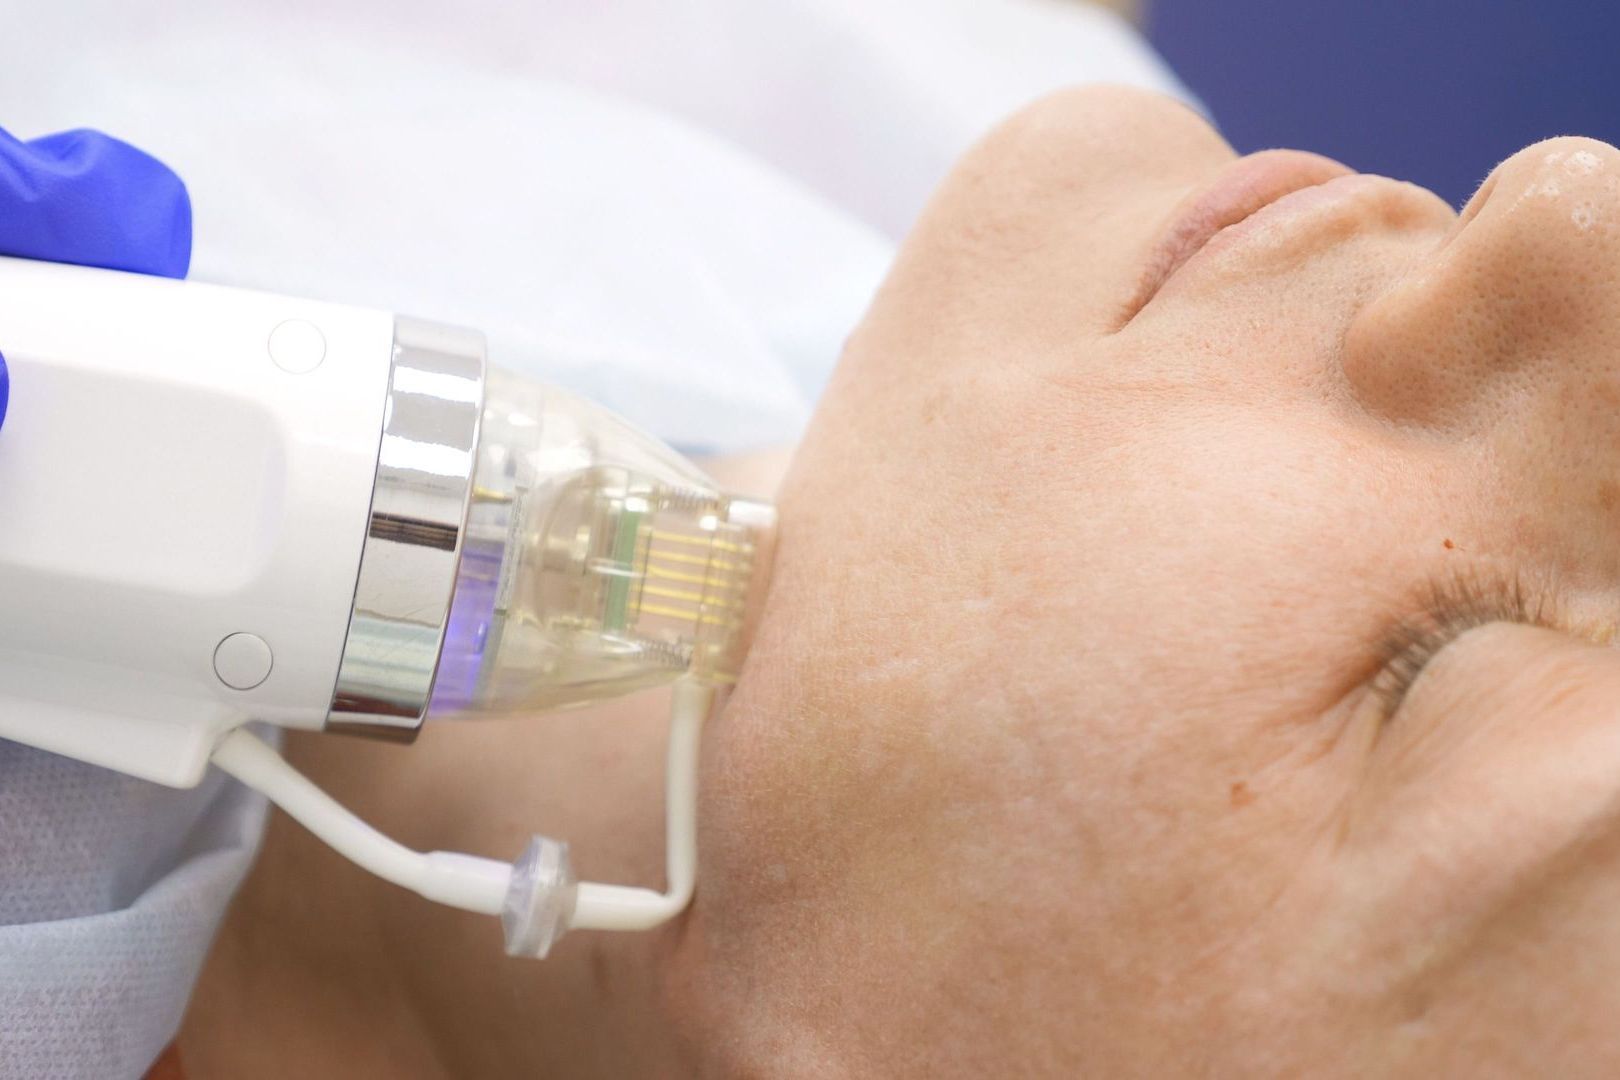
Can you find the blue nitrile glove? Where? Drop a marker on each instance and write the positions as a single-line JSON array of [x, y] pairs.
[[83, 197]]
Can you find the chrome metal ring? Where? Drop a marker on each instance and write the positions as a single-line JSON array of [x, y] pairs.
[[413, 542]]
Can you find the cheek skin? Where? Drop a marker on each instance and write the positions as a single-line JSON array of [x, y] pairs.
[[1041, 232], [1224, 333], [868, 807], [971, 696]]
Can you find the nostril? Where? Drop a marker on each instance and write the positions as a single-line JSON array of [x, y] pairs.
[[1472, 208], [1549, 187], [1477, 203]]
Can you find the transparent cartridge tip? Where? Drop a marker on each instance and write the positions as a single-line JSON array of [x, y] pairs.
[[596, 561]]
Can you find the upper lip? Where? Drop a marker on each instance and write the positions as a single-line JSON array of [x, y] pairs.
[[1243, 188]]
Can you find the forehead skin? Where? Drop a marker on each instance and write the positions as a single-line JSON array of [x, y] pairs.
[[1061, 704]]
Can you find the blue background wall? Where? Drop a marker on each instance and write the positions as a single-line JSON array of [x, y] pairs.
[[1436, 91]]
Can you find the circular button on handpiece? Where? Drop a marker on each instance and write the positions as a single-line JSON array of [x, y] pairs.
[[243, 661], [297, 346]]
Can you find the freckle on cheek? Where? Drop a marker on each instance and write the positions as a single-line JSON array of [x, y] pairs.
[[1241, 796]]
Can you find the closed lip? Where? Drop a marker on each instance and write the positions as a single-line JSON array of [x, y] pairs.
[[1242, 189]]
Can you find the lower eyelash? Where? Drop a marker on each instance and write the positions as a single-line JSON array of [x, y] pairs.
[[1456, 603]]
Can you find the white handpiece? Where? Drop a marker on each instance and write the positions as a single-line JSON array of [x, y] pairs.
[[185, 482], [219, 506]]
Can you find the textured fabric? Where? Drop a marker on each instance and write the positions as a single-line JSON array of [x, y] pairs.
[[112, 889], [677, 209]]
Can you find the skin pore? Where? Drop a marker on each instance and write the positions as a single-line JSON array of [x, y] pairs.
[[1187, 653]]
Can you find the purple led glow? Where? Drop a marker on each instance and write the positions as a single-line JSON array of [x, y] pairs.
[[471, 613]]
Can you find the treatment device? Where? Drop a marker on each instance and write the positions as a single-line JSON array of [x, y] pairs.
[[220, 506]]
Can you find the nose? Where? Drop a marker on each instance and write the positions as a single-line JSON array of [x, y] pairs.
[[1521, 294], [1507, 336]]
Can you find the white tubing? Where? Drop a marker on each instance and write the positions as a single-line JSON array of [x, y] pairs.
[[478, 884], [462, 881], [621, 907]]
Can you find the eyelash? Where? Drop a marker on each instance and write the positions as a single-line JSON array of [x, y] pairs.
[[1456, 603]]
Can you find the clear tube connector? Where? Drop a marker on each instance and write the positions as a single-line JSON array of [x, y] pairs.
[[540, 900], [544, 901]]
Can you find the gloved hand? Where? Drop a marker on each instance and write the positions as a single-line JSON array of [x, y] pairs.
[[82, 197]]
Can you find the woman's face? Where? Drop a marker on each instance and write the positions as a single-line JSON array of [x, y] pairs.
[[1185, 649]]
